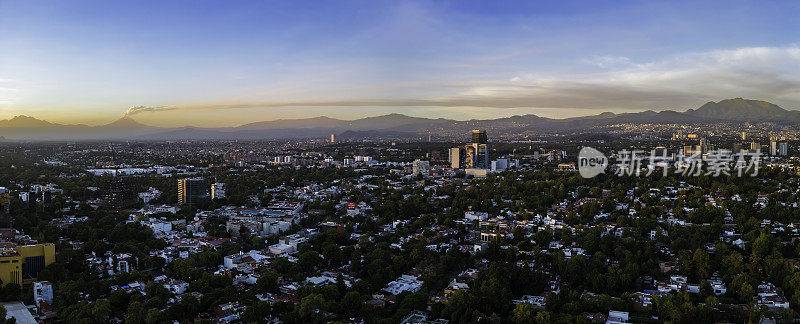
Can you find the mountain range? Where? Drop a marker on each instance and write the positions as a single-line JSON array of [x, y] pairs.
[[392, 125]]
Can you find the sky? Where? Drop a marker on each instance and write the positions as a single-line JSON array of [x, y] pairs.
[[223, 63]]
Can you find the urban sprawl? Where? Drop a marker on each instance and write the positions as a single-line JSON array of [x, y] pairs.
[[401, 231]]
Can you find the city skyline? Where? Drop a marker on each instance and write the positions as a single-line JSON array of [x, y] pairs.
[[217, 65], [408, 161]]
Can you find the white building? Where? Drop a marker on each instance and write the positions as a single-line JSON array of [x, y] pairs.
[[476, 216], [281, 248], [536, 301], [42, 293], [277, 227], [404, 283], [617, 317], [293, 240], [234, 260], [218, 190], [421, 167], [150, 194], [177, 287], [159, 226], [499, 165]]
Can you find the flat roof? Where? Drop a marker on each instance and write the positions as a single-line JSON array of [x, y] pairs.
[[19, 312]]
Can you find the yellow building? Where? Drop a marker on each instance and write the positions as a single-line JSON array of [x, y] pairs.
[[23, 263]]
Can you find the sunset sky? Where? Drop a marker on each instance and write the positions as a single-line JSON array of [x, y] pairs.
[[220, 63]]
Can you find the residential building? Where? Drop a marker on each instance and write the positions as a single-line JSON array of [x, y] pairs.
[[42, 293], [218, 190], [421, 167], [191, 191]]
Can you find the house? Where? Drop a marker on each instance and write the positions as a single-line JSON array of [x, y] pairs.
[[281, 248], [237, 260], [771, 296], [476, 216], [617, 317], [406, 282], [536, 301]]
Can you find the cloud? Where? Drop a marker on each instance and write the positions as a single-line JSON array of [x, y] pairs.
[[8, 94], [681, 81], [140, 109], [608, 61]]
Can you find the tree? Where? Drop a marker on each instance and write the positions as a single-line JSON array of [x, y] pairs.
[[310, 308], [523, 313], [544, 317], [3, 314], [700, 262], [762, 245], [745, 291], [101, 310], [153, 316], [136, 313], [352, 303], [267, 282], [414, 301]]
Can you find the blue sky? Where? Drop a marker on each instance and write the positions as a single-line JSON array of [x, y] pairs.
[[216, 63]]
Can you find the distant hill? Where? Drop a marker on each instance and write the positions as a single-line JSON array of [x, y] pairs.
[[127, 123], [743, 109], [368, 123], [354, 134], [315, 122], [23, 121], [394, 125]]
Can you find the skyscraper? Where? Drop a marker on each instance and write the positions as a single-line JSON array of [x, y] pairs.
[[783, 148], [704, 147], [119, 193], [773, 145], [477, 156], [456, 157], [474, 155], [191, 191], [755, 146], [333, 138]]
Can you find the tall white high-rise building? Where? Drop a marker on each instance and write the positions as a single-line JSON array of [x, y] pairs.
[[783, 148], [773, 145], [456, 157]]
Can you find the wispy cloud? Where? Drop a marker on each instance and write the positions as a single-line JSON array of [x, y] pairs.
[[8, 92], [140, 109], [682, 81], [608, 61]]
